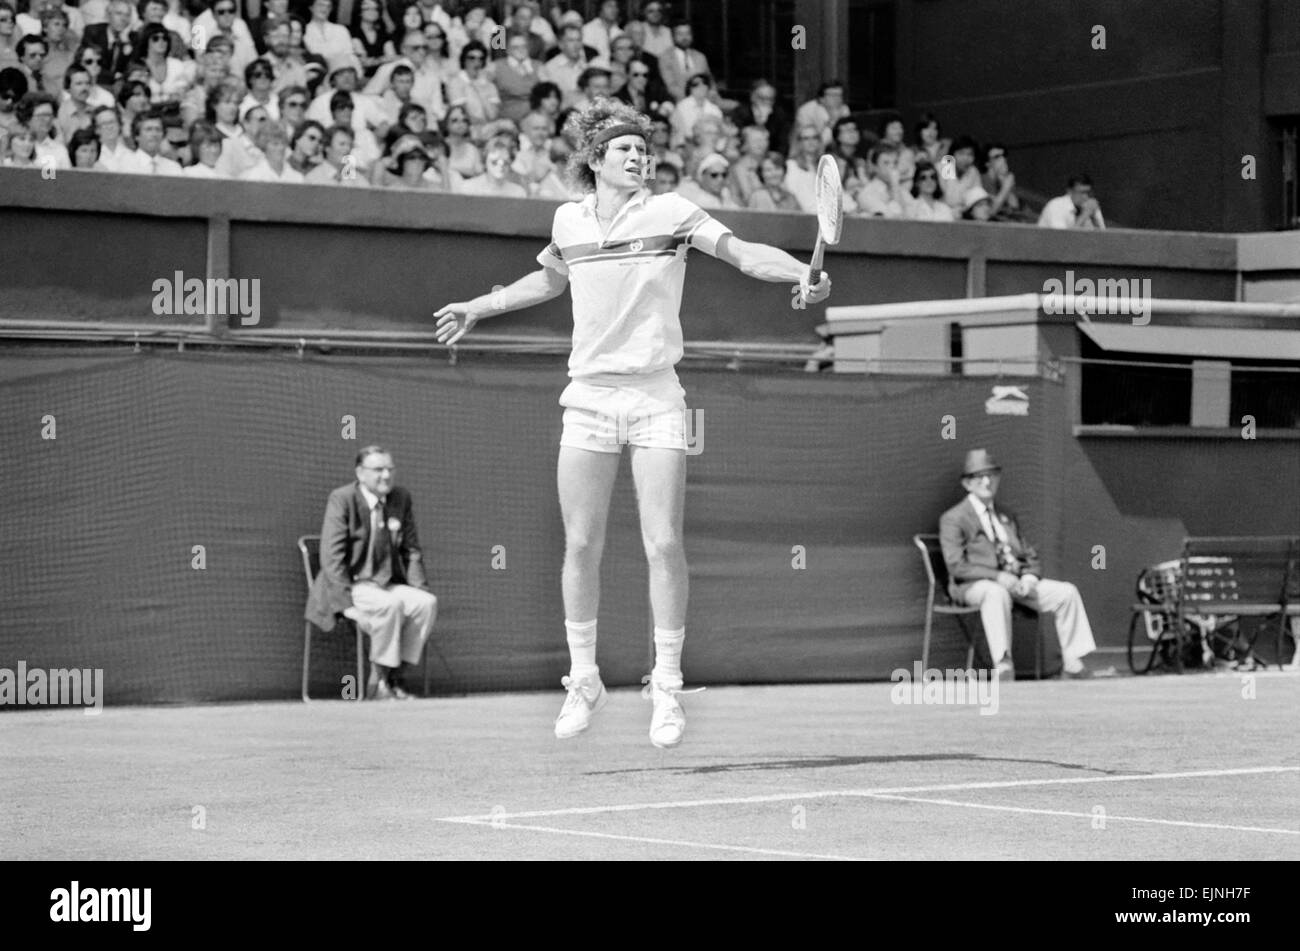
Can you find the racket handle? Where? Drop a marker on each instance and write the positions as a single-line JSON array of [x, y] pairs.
[[819, 251]]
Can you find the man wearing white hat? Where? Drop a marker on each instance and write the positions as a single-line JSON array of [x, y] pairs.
[[990, 564], [708, 188]]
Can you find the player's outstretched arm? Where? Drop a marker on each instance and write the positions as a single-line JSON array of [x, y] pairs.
[[771, 264], [455, 320]]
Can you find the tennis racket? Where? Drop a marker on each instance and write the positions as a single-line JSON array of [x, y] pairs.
[[830, 212]]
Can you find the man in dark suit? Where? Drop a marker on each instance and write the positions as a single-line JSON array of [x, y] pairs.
[[763, 110], [990, 564], [372, 571], [114, 39]]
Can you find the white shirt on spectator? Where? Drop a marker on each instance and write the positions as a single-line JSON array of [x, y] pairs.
[[426, 90], [366, 111], [802, 184], [1061, 213], [484, 185], [564, 72], [142, 164], [688, 112], [205, 24], [691, 191], [918, 209], [599, 35], [658, 40], [51, 150], [262, 172], [272, 107], [238, 155], [116, 159], [873, 200], [814, 113], [199, 170], [333, 43]]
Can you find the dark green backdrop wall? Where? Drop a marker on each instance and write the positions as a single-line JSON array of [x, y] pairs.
[[158, 452]]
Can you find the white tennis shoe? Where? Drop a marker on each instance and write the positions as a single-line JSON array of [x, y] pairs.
[[668, 721], [586, 697]]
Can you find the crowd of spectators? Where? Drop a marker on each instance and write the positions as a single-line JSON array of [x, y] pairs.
[[421, 94]]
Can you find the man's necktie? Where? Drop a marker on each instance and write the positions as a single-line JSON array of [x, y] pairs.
[[1007, 560], [383, 546]]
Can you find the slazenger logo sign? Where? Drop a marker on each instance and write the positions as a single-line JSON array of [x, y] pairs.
[[1007, 401]]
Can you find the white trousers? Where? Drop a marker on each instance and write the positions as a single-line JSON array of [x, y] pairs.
[[1059, 597], [398, 620]]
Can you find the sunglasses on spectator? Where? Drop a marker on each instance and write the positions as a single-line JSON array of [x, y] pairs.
[[159, 38], [715, 174], [640, 73], [457, 119], [295, 104], [223, 11], [90, 61], [259, 74], [475, 56], [996, 155], [928, 175]]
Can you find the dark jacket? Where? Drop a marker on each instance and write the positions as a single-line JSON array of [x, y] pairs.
[[344, 541], [969, 552]]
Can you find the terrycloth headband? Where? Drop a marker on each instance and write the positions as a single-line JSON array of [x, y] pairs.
[[613, 132]]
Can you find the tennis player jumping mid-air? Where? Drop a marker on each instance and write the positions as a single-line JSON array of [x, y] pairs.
[[623, 252]]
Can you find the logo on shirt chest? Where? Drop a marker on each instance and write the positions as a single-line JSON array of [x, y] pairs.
[[636, 246]]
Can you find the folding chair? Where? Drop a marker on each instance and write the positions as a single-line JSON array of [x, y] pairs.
[[309, 546], [936, 572]]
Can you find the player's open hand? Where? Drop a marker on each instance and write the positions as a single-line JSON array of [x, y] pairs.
[[454, 321], [813, 293]]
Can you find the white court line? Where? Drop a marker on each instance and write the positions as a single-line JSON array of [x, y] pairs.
[[827, 794], [683, 843], [1106, 817]]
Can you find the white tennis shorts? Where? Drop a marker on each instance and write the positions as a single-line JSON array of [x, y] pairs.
[[607, 415]]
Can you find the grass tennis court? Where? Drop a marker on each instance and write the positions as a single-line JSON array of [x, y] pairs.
[[1125, 768]]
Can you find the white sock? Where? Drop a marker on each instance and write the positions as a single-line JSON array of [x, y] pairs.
[[668, 656], [582, 649]]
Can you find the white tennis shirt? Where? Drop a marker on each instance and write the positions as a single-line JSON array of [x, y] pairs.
[[627, 288]]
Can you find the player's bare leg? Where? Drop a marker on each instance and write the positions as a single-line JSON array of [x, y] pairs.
[[660, 477], [586, 482]]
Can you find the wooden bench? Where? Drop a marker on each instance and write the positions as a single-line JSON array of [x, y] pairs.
[[1218, 588]]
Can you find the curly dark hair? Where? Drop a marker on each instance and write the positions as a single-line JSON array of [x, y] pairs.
[[585, 124]]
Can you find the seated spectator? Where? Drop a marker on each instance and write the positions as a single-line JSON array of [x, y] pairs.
[[221, 19], [472, 88], [407, 165], [239, 152], [679, 64], [978, 205], [520, 24], [273, 142], [881, 196], [147, 130], [60, 46], [495, 181], [999, 182], [413, 118], [622, 53], [365, 147], [292, 105], [9, 37], [546, 99], [75, 110], [652, 34], [259, 77], [37, 111], [20, 148], [535, 166], [133, 100], [397, 97], [288, 67], [31, 61], [178, 20], [176, 138], [745, 177], [438, 59], [339, 167], [330, 41], [222, 108], [600, 32], [305, 146], [772, 194], [762, 110], [367, 111], [13, 86], [114, 153], [824, 111], [566, 66], [154, 12], [427, 87], [667, 178], [927, 202], [694, 107], [991, 564], [272, 12], [594, 83], [372, 43], [1077, 208], [83, 146], [929, 143], [709, 187], [465, 160], [205, 147], [371, 568], [966, 174], [644, 92], [92, 58], [115, 39], [472, 26], [892, 131], [660, 136], [516, 75], [801, 169], [211, 72], [847, 149], [708, 137]]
